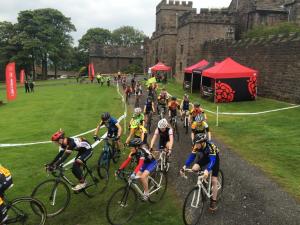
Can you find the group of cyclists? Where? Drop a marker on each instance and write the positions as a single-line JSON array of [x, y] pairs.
[[204, 153]]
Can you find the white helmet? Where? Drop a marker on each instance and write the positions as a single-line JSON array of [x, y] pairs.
[[137, 110], [199, 118], [163, 123]]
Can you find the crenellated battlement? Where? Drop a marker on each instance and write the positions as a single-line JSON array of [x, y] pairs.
[[219, 16], [174, 5]]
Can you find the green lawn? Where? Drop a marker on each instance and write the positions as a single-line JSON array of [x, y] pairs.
[[75, 108], [270, 141]]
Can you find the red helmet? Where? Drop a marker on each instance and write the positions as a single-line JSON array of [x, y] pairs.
[[58, 135]]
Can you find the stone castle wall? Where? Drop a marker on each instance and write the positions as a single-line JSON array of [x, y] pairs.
[[277, 58]]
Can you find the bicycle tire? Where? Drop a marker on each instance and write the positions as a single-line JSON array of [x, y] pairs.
[[95, 185], [103, 164], [17, 213], [221, 183], [46, 197], [121, 203], [160, 179], [116, 154], [197, 208], [186, 125]]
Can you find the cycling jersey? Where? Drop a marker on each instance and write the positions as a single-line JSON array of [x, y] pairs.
[[208, 158], [196, 111], [162, 99], [164, 137], [139, 131], [5, 180], [173, 105], [111, 126], [199, 127], [76, 144], [185, 105], [148, 105], [140, 118]]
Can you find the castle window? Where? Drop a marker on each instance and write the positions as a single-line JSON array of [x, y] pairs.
[[181, 49], [180, 66]]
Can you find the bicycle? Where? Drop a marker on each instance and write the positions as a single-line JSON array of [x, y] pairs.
[[163, 161], [25, 210], [195, 200], [109, 153], [127, 96], [174, 126], [186, 121], [162, 111], [122, 205], [55, 193]]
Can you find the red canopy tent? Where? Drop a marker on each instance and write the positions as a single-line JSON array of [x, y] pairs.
[[199, 64], [160, 67], [232, 81]]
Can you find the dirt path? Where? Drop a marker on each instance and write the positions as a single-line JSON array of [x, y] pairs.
[[249, 197]]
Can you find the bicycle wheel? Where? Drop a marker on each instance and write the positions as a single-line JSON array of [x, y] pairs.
[[116, 153], [54, 194], [186, 123], [103, 164], [157, 183], [27, 211], [193, 207], [121, 206], [94, 184]]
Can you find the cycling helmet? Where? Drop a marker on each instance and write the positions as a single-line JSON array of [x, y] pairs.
[[105, 116], [58, 135], [136, 142], [197, 104], [137, 110], [134, 124], [174, 98], [199, 118], [199, 138], [163, 123]]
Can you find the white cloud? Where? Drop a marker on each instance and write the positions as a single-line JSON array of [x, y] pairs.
[[108, 14]]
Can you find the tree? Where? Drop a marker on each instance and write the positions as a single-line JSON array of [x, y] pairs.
[[95, 35], [44, 33], [127, 36]]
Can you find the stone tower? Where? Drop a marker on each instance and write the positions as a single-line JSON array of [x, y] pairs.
[[162, 46]]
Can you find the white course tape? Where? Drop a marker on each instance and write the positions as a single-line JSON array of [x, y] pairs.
[[246, 113], [47, 142]]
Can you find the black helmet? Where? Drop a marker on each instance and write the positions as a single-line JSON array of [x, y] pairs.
[[105, 116], [136, 142], [197, 104], [199, 138], [174, 98]]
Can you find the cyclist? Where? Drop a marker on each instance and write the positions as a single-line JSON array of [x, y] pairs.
[[196, 111], [137, 131], [148, 108], [200, 126], [208, 161], [5, 183], [184, 106], [128, 91], [138, 115], [114, 129], [146, 164], [66, 147], [162, 100], [173, 106], [165, 134]]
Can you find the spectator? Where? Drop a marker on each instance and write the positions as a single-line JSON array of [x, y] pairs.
[[98, 78], [102, 79], [26, 85], [31, 85], [108, 81]]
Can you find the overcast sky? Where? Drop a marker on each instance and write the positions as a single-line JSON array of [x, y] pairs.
[[108, 14]]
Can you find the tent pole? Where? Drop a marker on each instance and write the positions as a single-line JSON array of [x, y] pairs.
[[201, 85], [217, 123], [215, 93], [192, 82]]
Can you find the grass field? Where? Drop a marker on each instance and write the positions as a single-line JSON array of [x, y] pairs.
[[270, 141], [75, 108]]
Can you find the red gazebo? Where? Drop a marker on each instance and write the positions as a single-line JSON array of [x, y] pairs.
[[231, 81], [160, 67]]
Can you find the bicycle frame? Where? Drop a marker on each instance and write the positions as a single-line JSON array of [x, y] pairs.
[[162, 159]]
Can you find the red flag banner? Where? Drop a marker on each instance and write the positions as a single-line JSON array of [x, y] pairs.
[[11, 82], [89, 71], [22, 77], [92, 70]]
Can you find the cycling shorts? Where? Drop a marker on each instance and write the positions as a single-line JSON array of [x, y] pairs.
[[84, 155], [150, 166], [112, 133]]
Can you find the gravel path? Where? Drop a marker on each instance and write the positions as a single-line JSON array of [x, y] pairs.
[[249, 197]]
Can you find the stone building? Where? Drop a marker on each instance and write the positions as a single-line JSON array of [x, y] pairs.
[[194, 29], [293, 9], [111, 59]]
